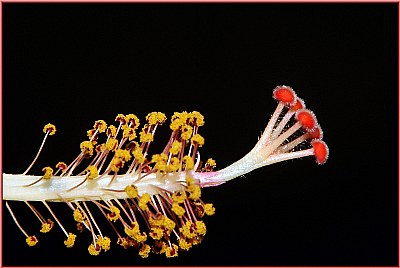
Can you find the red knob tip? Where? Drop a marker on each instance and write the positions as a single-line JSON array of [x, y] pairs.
[[285, 94], [307, 119], [321, 151]]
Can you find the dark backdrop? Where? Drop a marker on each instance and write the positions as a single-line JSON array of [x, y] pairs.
[[72, 64]]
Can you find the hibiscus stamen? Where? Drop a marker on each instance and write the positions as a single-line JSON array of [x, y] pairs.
[[162, 210]]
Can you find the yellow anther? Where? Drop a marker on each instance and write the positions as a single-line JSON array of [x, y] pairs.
[[70, 241], [116, 164], [200, 227], [111, 131], [140, 237], [47, 226], [31, 240], [156, 118], [144, 251], [195, 192], [87, 147], [188, 230], [94, 250], [137, 153], [133, 119], [186, 132], [179, 197], [78, 216], [48, 173], [131, 191], [171, 251], [100, 125], [49, 128], [128, 132], [188, 162], [104, 242], [183, 244], [197, 139], [156, 233], [144, 199], [122, 154], [111, 144], [174, 164], [175, 147], [178, 210], [146, 137], [121, 119], [197, 118], [114, 213], [209, 209], [161, 162], [93, 173]]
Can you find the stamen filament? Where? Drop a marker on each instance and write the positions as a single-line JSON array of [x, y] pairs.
[[54, 216]]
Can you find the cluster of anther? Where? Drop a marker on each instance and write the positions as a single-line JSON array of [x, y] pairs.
[[165, 222]]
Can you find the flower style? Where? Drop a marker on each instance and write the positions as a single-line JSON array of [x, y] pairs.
[[154, 202]]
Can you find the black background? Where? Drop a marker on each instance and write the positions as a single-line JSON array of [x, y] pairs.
[[72, 64]]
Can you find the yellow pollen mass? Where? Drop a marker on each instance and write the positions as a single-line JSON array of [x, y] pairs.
[[100, 125], [174, 164], [47, 226], [175, 147], [50, 128], [186, 132], [48, 173], [111, 144], [70, 241], [187, 230], [171, 251], [179, 197], [128, 132], [114, 214], [87, 147], [31, 240], [175, 124], [93, 172], [209, 209], [111, 131], [156, 233], [140, 237], [183, 244], [188, 162], [120, 118], [195, 192], [144, 199], [104, 242], [144, 251], [137, 153], [123, 154], [197, 118], [154, 118], [116, 164], [93, 251], [178, 210], [197, 139], [133, 119], [200, 227], [146, 137], [78, 216], [131, 191]]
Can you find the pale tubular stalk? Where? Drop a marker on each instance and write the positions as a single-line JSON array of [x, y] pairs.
[[56, 189], [264, 153]]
